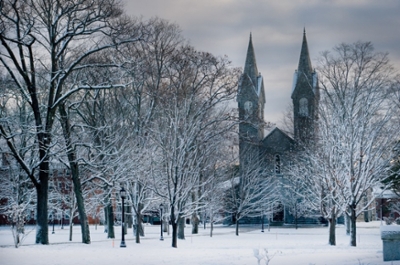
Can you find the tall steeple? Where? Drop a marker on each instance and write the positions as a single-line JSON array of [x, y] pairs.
[[251, 100], [305, 97], [304, 61], [250, 66]]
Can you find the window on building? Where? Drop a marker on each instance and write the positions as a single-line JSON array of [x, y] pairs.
[[303, 107], [277, 164]]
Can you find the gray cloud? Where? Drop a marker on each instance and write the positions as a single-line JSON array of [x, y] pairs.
[[222, 27]]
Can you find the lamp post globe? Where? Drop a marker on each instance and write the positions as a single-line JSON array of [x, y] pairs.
[[122, 193], [161, 221]]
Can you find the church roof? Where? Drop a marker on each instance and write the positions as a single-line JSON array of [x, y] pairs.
[[275, 131]]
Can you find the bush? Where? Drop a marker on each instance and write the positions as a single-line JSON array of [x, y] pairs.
[[388, 220]]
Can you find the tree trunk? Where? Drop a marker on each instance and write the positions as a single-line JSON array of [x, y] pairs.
[[138, 226], [42, 227], [71, 222], [129, 216], [140, 220], [174, 234], [237, 226], [174, 225], [366, 211], [75, 175], [366, 216], [332, 231], [81, 207], [211, 224], [110, 221], [347, 223], [195, 223], [181, 228], [165, 226], [105, 219], [353, 232]]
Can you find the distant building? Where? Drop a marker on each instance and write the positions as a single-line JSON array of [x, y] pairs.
[[16, 186], [274, 150]]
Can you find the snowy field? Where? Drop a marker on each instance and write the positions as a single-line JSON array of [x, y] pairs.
[[306, 246]]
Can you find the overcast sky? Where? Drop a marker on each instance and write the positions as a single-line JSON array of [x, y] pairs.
[[222, 27]]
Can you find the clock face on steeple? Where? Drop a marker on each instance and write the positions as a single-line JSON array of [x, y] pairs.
[[248, 107]]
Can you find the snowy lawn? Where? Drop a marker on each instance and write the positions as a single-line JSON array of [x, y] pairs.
[[306, 246]]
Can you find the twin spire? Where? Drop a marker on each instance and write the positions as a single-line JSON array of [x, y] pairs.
[[250, 66], [305, 62]]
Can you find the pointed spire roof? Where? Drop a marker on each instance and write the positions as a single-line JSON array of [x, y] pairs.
[[250, 66], [305, 62]]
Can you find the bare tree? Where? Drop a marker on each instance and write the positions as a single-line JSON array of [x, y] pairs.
[[293, 194], [15, 184], [250, 190], [190, 116], [146, 68], [319, 178], [355, 128], [19, 196], [43, 44]]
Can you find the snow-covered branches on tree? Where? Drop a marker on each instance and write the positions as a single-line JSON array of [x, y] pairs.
[[145, 68], [44, 43], [319, 178], [355, 125], [138, 184], [394, 174], [251, 191], [103, 143], [295, 194], [17, 195], [189, 118]]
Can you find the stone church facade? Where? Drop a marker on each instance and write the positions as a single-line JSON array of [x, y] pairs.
[[274, 151]]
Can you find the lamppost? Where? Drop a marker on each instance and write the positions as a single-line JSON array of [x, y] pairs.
[[122, 192], [161, 221], [53, 222]]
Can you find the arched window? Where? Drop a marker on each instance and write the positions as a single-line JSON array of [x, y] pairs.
[[248, 107], [277, 164], [303, 107]]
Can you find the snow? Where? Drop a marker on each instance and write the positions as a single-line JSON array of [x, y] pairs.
[[315, 81], [388, 228], [285, 245], [294, 81]]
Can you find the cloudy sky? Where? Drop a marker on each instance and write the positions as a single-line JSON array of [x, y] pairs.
[[222, 27]]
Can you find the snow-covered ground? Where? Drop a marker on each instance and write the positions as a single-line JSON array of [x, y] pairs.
[[284, 245]]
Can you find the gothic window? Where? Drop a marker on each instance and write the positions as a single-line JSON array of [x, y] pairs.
[[303, 108], [277, 164], [248, 107]]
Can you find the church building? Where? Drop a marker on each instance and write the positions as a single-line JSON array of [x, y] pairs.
[[274, 150]]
